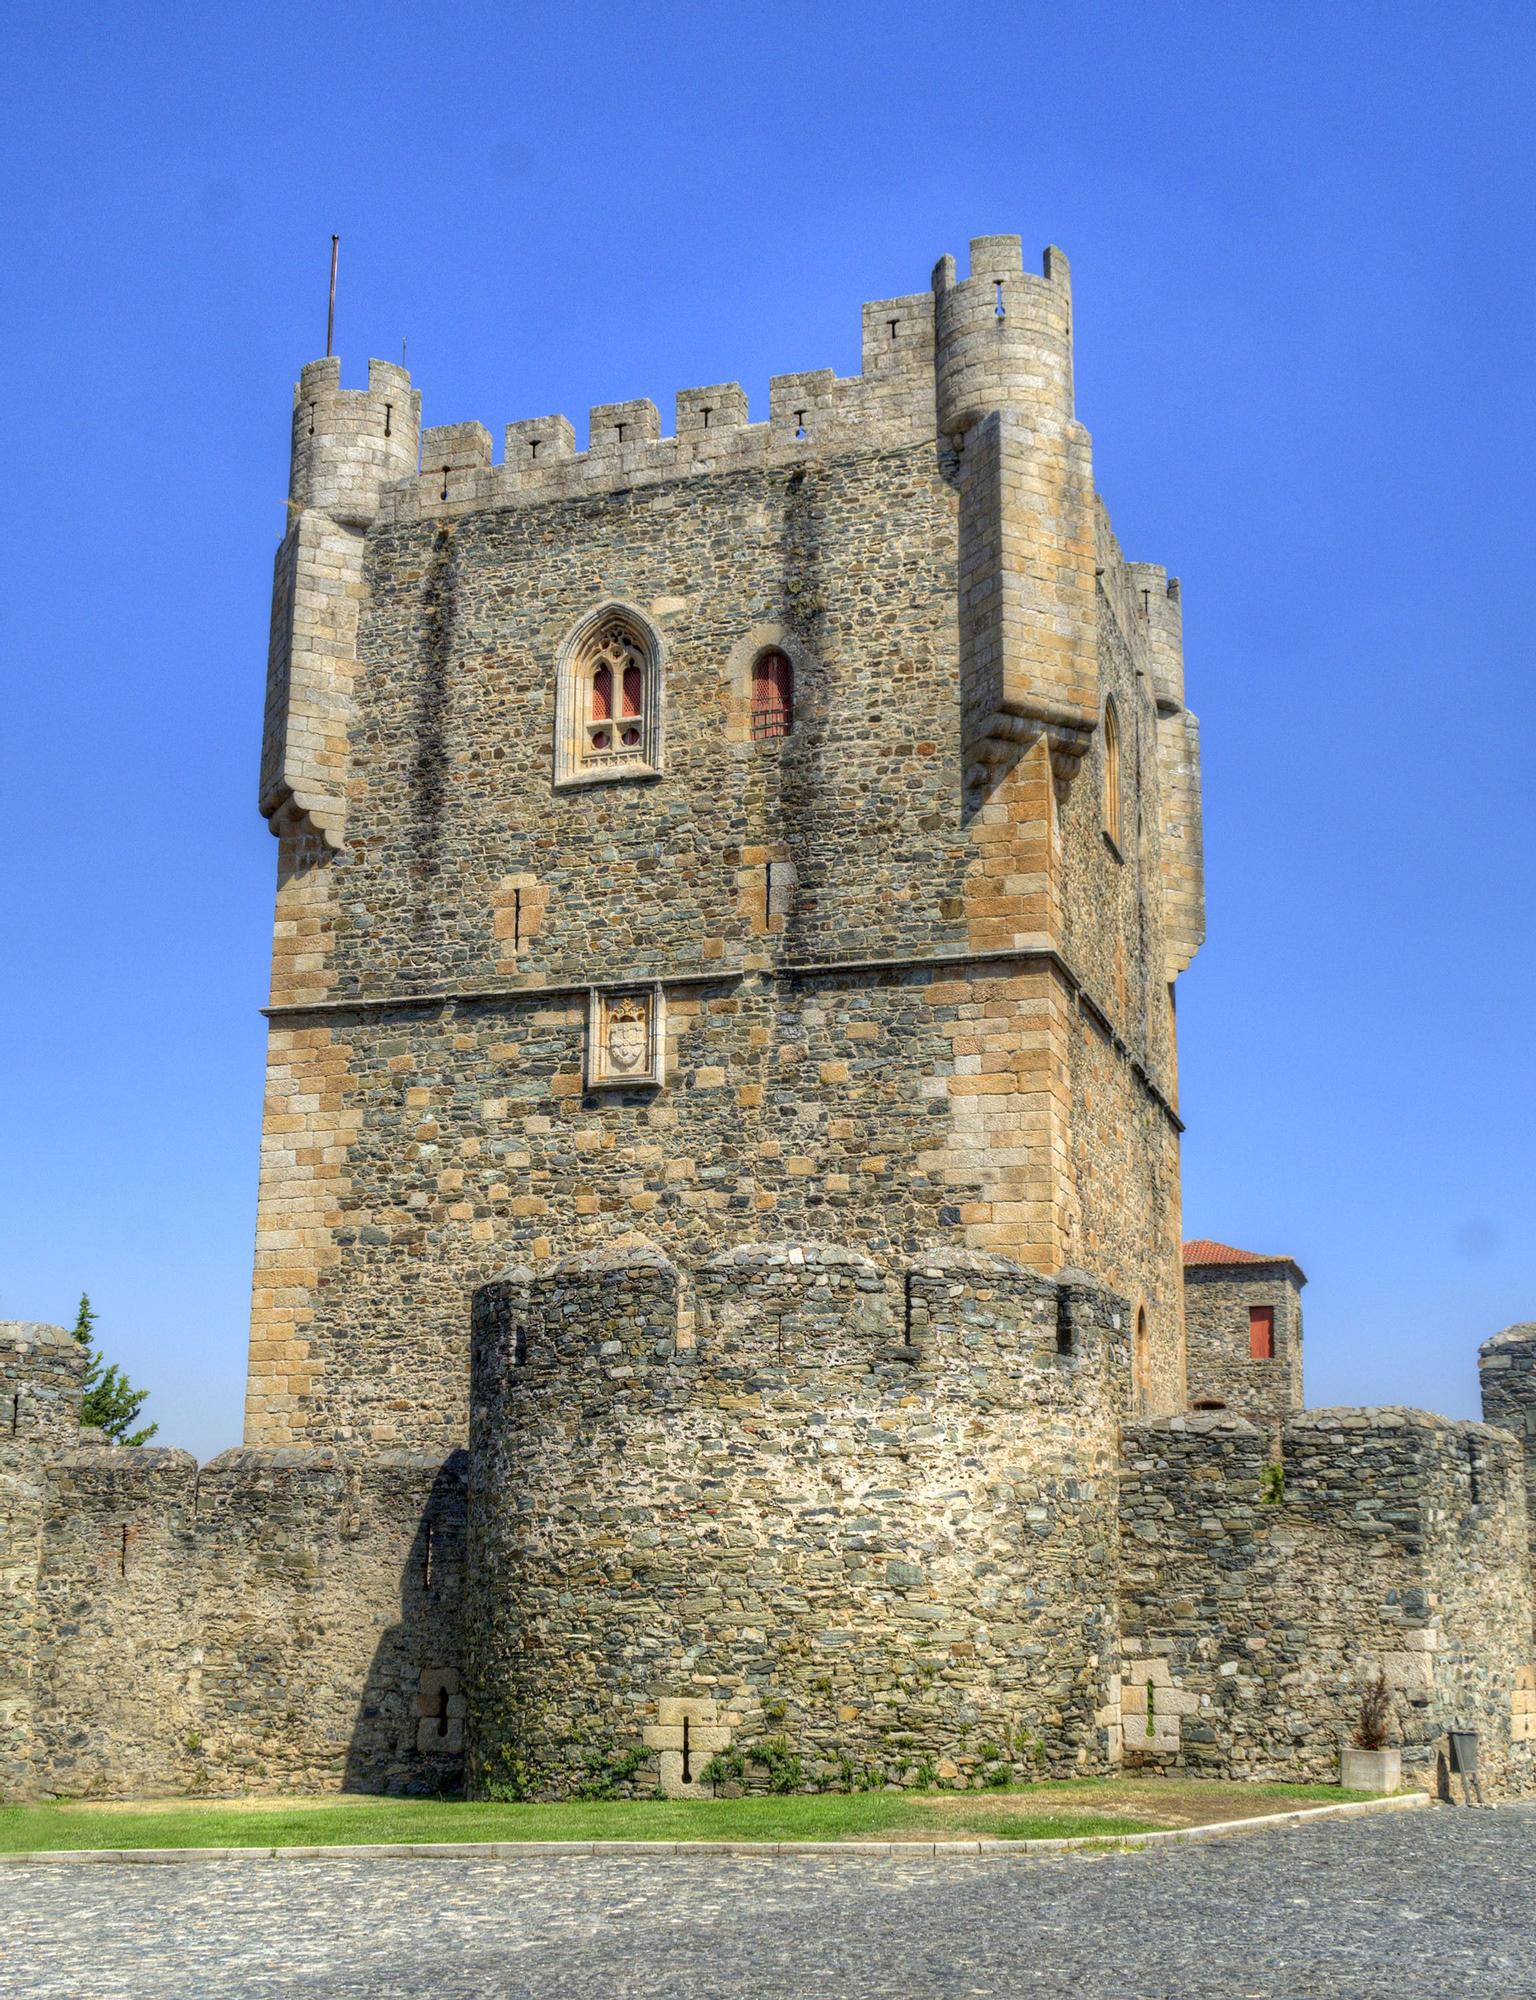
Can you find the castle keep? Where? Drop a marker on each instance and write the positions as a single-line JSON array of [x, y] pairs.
[[839, 762], [719, 1290]]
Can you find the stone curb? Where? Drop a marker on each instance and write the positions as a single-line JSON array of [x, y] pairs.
[[887, 1850]]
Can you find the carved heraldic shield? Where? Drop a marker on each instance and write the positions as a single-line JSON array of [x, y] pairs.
[[628, 1036]]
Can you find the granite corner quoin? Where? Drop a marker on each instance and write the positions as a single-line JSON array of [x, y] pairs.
[[719, 1311]]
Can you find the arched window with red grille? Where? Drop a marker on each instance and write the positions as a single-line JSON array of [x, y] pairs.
[[616, 663], [608, 699], [773, 696]]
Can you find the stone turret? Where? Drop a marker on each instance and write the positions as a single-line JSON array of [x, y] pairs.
[[1028, 616], [348, 445], [1004, 335]]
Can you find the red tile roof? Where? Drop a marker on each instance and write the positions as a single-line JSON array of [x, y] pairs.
[[1202, 1250]]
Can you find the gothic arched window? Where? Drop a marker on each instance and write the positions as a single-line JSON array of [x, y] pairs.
[[608, 708], [773, 696]]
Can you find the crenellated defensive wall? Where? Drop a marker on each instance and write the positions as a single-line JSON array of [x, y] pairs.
[[781, 1512]]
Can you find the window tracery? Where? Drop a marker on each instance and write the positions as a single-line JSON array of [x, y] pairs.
[[613, 669], [608, 701]]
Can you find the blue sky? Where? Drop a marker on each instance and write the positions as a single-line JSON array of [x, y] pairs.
[[1303, 259]]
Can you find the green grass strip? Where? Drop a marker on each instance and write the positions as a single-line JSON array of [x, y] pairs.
[[1020, 1813]]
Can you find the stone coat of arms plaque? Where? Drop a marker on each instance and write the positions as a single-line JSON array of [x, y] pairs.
[[625, 1038]]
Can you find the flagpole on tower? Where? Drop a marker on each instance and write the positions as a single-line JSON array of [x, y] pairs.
[[330, 315]]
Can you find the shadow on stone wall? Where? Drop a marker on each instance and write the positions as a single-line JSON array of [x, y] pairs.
[[409, 1731]]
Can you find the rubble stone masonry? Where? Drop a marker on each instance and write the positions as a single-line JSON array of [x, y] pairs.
[[1262, 1592]]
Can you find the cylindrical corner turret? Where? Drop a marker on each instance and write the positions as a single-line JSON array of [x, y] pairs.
[[348, 444], [1163, 610], [1003, 397], [755, 1496], [1004, 335]]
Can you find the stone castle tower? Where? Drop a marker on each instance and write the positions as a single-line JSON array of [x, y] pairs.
[[784, 831], [719, 1250]]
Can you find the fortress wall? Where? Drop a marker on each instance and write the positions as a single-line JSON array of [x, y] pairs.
[[264, 1624], [1252, 1626], [117, 1655], [317, 1621], [42, 1380], [793, 1502]]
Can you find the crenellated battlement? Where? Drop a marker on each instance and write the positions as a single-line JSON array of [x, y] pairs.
[[809, 413], [893, 401]]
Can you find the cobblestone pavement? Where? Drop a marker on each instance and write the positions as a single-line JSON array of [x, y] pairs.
[[1415, 1907]]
